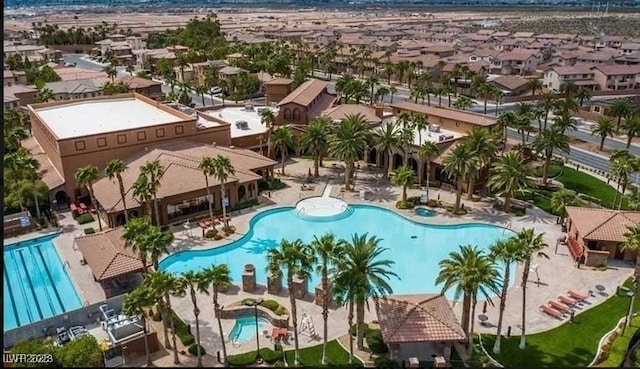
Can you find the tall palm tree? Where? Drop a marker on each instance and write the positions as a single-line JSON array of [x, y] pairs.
[[561, 199], [142, 193], [460, 165], [547, 104], [348, 142], [268, 118], [428, 151], [419, 122], [632, 128], [463, 102], [368, 275], [316, 140], [484, 147], [511, 173], [620, 109], [162, 285], [298, 259], [154, 171], [546, 143], [632, 242], [327, 251], [193, 282], [404, 177], [506, 252], [135, 304], [604, 127], [156, 243], [534, 84], [132, 236], [530, 245], [583, 95], [86, 176], [392, 91], [222, 169], [386, 140], [344, 292], [114, 170], [282, 140], [207, 166], [218, 276]]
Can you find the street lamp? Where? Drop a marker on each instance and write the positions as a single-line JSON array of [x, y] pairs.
[[255, 304]]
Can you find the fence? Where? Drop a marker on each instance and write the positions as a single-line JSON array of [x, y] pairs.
[[83, 316]]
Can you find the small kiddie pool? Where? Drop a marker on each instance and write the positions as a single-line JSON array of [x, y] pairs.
[[424, 212]]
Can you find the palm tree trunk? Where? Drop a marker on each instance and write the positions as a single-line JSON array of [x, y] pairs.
[[525, 276], [325, 311], [146, 341], [165, 321], [503, 304], [387, 164], [458, 194], [95, 205], [428, 172], [294, 318], [206, 180], [347, 176], [466, 307], [428, 99], [507, 203], [471, 326], [122, 196], [360, 324], [546, 118], [629, 138], [224, 208], [156, 210], [350, 322], [225, 361], [316, 165], [470, 189], [176, 359], [485, 105], [404, 193], [602, 142], [284, 158], [545, 170], [196, 313], [35, 198]]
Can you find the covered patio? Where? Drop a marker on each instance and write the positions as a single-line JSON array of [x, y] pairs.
[[116, 268], [423, 327]]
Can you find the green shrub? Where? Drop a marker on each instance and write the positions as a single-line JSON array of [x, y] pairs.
[[375, 342], [385, 362], [248, 358], [182, 331], [89, 230], [460, 212], [85, 218], [352, 331], [434, 183], [281, 311], [270, 356], [229, 230], [193, 350], [414, 200], [211, 233], [218, 237], [404, 205], [432, 203], [271, 305]]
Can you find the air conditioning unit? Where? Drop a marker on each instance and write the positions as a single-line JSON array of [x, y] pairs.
[[434, 128]]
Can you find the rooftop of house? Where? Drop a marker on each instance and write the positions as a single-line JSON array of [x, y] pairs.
[[237, 116], [305, 93], [602, 224], [78, 118], [453, 114]]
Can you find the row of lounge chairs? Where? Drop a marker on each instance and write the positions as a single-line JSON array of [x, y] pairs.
[[217, 220], [80, 208], [564, 305]]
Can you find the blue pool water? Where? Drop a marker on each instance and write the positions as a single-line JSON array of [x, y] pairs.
[[245, 328], [423, 212], [36, 285], [415, 248]]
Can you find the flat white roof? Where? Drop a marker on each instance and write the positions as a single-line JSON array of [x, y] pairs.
[[236, 115], [84, 118], [429, 134]]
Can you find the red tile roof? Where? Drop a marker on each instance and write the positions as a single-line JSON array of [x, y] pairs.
[[459, 115], [602, 224], [305, 93], [418, 318]]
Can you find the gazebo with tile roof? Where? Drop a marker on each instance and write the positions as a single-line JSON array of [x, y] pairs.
[[600, 232], [112, 264], [420, 326]]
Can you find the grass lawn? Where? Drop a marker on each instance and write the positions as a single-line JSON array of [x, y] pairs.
[[571, 344], [584, 183], [618, 350]]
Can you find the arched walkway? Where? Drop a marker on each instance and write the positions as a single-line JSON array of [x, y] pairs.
[[373, 156], [398, 161], [61, 199], [242, 192], [120, 220], [252, 190], [413, 163]]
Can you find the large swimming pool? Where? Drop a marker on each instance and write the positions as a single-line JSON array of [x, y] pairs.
[[415, 248], [36, 284]]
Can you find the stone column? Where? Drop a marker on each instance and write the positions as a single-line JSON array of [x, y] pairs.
[[319, 298], [299, 287], [274, 284], [249, 278]]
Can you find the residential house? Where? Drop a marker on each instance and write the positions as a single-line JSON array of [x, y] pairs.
[[277, 89], [143, 86], [597, 57], [511, 85], [77, 89], [19, 96], [617, 77], [515, 62], [14, 77], [581, 75], [306, 102]]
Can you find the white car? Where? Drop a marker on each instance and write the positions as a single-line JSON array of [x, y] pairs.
[[216, 90]]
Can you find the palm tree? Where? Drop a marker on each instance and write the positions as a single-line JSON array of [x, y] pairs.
[[367, 275], [326, 250], [605, 127], [620, 109], [405, 177], [529, 245], [392, 91], [111, 71], [460, 164], [114, 170], [130, 69], [282, 140], [154, 171], [583, 95], [162, 285], [193, 282], [547, 142], [632, 128], [547, 104], [132, 237], [372, 81], [200, 90], [222, 169], [135, 304], [534, 84], [511, 173], [348, 142], [381, 92], [298, 259], [218, 276], [483, 146], [315, 140], [506, 252], [156, 242], [86, 176], [419, 122], [207, 166], [344, 290], [268, 118], [470, 271], [463, 102], [632, 243], [386, 140], [142, 192], [428, 151], [561, 199]]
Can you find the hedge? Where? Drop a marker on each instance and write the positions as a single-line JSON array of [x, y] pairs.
[[182, 331], [249, 358], [193, 350], [375, 342], [89, 230], [85, 218]]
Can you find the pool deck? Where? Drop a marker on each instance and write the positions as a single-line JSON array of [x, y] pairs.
[[558, 274]]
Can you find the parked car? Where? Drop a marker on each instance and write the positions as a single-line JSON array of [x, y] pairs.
[[216, 90]]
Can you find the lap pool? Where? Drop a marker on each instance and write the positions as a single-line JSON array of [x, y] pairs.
[[36, 284], [415, 248]]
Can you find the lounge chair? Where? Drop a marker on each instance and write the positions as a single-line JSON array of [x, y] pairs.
[[560, 307], [577, 296], [549, 311], [567, 300]]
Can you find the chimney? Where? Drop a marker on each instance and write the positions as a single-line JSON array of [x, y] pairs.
[[379, 111]]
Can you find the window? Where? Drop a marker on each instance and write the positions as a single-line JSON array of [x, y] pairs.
[[80, 145], [287, 114], [159, 132], [596, 109], [142, 135], [188, 207], [179, 130], [122, 139], [101, 142], [296, 114]]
